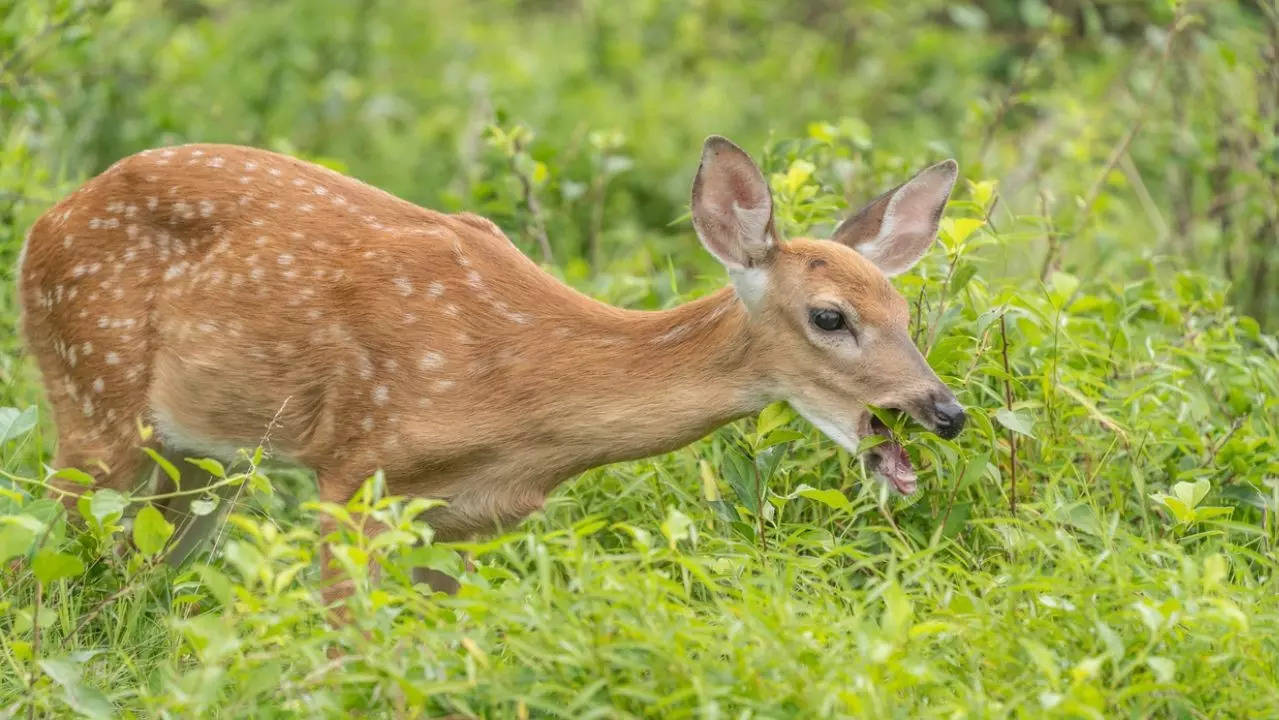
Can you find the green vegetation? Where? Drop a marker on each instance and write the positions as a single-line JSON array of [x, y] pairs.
[[1101, 542]]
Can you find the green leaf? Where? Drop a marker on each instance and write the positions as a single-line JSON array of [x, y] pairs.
[[50, 565], [830, 498], [772, 417], [15, 423], [107, 504], [962, 275], [209, 465], [1165, 670], [766, 462], [151, 531], [1180, 511], [740, 475], [15, 540], [204, 505], [1063, 286], [956, 519], [165, 465], [1191, 493], [217, 583], [79, 477], [1015, 422], [84, 699], [955, 231], [677, 526]]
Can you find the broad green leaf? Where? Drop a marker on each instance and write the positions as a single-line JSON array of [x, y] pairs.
[[79, 477], [1190, 493], [204, 505], [982, 192], [1180, 511], [772, 417], [151, 531], [766, 462], [217, 583], [831, 498], [50, 565], [165, 465], [107, 504], [15, 540], [677, 526], [15, 423], [741, 476], [1165, 670], [82, 698], [209, 465], [1016, 422], [963, 274], [957, 230], [1063, 286]]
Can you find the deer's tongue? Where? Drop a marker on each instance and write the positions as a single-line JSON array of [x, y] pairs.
[[891, 460]]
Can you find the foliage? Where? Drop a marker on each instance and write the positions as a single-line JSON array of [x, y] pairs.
[[1101, 542]]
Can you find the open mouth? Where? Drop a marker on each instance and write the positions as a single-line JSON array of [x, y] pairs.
[[889, 459]]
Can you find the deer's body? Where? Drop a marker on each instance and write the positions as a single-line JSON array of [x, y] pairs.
[[226, 294], [216, 291]]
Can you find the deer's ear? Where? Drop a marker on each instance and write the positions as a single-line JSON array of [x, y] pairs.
[[897, 228], [732, 208]]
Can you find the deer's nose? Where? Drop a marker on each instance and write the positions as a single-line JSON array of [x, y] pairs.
[[950, 417]]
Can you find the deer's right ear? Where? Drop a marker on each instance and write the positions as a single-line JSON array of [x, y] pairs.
[[732, 208]]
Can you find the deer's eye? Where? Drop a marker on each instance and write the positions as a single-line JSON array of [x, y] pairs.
[[828, 320]]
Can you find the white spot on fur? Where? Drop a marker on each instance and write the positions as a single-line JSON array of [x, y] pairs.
[[440, 386], [113, 358], [367, 424], [431, 360], [436, 289], [99, 385], [405, 287], [381, 394]]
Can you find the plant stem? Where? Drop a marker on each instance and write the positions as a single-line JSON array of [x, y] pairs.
[[1008, 401]]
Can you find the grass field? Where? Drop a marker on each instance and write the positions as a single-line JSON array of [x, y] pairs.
[[1100, 543]]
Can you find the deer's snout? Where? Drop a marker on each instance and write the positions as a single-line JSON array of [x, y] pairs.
[[949, 416]]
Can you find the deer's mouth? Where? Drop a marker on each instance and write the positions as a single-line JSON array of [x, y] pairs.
[[889, 458]]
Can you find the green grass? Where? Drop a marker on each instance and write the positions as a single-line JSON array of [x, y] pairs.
[[1110, 324]]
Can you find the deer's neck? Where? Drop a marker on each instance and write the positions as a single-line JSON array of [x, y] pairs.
[[642, 383]]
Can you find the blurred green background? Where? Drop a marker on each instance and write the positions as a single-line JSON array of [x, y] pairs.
[[612, 101], [1101, 541]]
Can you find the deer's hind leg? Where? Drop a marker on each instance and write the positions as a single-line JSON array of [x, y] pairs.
[[109, 451]]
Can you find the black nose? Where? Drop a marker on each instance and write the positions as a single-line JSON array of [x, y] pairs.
[[950, 418]]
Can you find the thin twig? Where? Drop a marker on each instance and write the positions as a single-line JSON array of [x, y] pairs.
[[1008, 401], [536, 226]]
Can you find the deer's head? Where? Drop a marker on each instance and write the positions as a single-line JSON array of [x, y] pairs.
[[828, 325]]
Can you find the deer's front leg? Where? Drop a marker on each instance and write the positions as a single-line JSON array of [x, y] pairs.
[[336, 582]]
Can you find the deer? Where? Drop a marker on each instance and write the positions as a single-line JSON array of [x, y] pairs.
[[212, 291]]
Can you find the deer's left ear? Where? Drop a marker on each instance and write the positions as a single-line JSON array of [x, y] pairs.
[[897, 228]]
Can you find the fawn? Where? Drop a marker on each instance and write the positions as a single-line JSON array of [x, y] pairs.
[[213, 290]]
